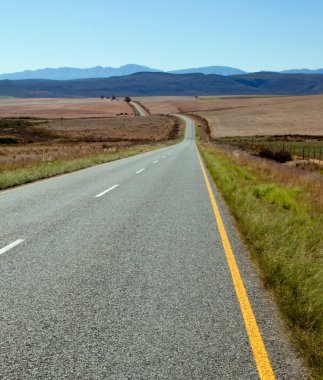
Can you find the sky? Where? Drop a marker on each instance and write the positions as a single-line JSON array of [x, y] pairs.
[[252, 35]]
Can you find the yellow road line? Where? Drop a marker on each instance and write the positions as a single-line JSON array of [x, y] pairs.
[[257, 345]]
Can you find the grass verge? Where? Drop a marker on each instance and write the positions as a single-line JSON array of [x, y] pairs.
[[281, 223], [18, 176]]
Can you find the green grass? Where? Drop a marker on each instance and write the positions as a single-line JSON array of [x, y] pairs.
[[19, 176], [283, 231]]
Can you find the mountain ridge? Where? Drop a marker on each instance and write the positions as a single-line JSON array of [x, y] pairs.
[[161, 84], [71, 73]]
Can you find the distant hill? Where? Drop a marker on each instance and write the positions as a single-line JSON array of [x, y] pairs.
[[69, 73], [303, 71], [219, 70], [148, 84]]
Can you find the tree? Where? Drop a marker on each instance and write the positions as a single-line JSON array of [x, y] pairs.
[[127, 99]]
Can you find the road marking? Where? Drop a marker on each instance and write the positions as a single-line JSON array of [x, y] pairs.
[[106, 191], [139, 171], [10, 246], [155, 162], [257, 345], [164, 156]]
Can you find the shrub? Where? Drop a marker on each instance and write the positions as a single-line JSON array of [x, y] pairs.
[[8, 140], [266, 153], [278, 156]]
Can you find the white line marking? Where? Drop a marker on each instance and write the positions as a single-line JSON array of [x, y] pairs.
[[164, 156], [12, 245], [155, 162], [106, 191], [139, 171]]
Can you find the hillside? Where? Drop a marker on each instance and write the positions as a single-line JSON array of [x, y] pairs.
[[149, 84]]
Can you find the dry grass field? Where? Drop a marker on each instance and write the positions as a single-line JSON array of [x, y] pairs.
[[248, 116], [185, 104], [62, 108], [175, 104], [26, 142], [267, 116]]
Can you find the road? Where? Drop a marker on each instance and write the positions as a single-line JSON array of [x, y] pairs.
[[120, 272], [141, 111]]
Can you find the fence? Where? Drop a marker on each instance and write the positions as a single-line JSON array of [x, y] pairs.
[[313, 151]]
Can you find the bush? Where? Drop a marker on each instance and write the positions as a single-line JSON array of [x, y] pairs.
[[282, 156], [8, 140], [278, 156], [266, 153]]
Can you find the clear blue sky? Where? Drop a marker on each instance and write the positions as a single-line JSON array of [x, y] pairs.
[[248, 34]]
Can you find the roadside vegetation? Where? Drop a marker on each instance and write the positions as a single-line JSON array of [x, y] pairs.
[[15, 176], [279, 212], [31, 150]]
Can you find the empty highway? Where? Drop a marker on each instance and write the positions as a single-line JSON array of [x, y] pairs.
[[124, 271]]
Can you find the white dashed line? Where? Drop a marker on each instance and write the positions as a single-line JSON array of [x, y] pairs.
[[164, 156], [106, 191], [12, 245], [155, 162], [139, 171]]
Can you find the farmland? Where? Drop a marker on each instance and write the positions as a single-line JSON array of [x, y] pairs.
[[39, 137], [62, 108], [26, 142], [267, 116]]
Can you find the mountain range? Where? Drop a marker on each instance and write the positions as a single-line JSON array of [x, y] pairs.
[[159, 83], [70, 73]]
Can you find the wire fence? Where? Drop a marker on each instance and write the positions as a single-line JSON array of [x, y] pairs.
[[310, 151]]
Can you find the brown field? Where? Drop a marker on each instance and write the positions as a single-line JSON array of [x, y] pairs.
[[62, 108], [185, 104], [267, 116], [66, 139], [173, 104]]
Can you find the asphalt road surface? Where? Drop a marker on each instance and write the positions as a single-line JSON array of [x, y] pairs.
[[120, 272]]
